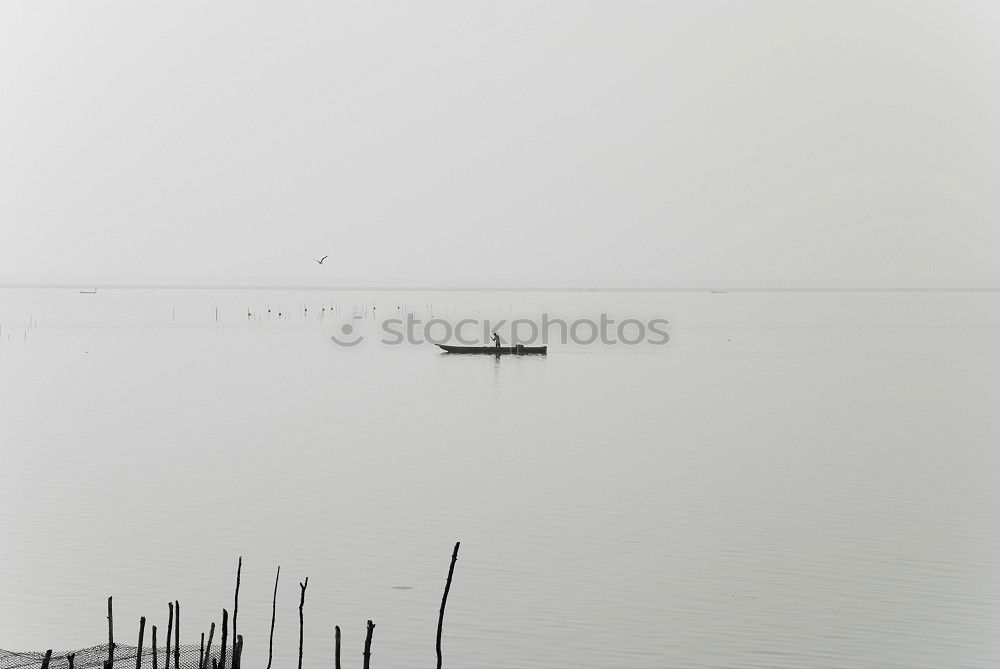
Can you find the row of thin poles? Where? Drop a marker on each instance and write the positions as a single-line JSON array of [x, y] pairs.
[[205, 652]]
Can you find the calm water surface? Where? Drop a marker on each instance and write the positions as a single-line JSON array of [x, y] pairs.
[[795, 480]]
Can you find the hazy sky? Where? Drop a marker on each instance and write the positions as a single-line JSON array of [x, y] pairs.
[[675, 143]]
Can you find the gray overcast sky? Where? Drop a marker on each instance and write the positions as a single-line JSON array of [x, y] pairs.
[[670, 143]]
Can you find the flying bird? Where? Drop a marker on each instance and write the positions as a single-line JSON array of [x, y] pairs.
[[320, 261]]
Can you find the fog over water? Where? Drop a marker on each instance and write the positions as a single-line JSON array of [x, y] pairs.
[[793, 480], [469, 142]]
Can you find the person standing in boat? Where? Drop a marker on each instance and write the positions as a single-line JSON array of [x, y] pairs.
[[496, 340]]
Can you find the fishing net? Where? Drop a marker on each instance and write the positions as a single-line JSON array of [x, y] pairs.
[[94, 657]]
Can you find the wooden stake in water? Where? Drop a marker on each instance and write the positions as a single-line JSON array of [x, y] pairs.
[[46, 659], [170, 631], [238, 652], [70, 658], [208, 648], [138, 646], [111, 636], [368, 644], [236, 608], [225, 632], [177, 637], [302, 603], [336, 647], [154, 648], [274, 609], [444, 600], [201, 652]]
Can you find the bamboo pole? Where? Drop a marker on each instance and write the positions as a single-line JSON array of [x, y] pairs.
[[170, 631], [336, 647], [201, 652], [154, 647], [236, 606], [46, 659], [177, 637], [238, 652], [274, 610], [302, 603], [444, 600], [138, 646], [368, 644]]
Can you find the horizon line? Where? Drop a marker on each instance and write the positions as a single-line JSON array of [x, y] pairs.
[[555, 288]]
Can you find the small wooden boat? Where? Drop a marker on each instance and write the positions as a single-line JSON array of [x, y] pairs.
[[496, 350]]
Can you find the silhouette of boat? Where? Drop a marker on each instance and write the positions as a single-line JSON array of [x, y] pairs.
[[496, 350]]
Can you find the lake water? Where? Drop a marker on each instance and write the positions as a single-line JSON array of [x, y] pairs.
[[794, 480]]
